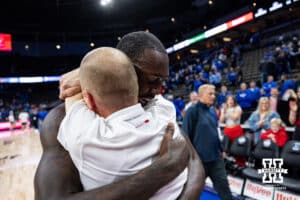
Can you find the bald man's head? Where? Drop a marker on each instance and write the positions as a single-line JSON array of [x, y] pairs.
[[107, 73]]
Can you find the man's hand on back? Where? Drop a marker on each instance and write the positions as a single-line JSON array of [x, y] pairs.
[[173, 151], [69, 84]]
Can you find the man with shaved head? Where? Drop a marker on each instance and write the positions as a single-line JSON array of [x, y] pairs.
[[109, 123]]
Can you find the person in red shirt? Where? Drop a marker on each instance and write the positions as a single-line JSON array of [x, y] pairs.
[[276, 133]]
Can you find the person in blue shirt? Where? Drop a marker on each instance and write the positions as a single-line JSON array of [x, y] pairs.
[[286, 84], [222, 96], [198, 68], [232, 76], [197, 83], [244, 97], [199, 125], [268, 85], [255, 93]]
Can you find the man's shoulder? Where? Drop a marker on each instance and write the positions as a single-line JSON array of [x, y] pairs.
[[162, 109], [192, 110], [163, 103], [51, 125]]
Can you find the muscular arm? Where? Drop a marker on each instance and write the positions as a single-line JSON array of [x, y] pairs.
[[57, 178], [196, 174]]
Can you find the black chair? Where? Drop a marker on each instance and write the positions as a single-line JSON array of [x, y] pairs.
[[226, 143], [291, 159], [263, 149], [240, 148], [226, 146]]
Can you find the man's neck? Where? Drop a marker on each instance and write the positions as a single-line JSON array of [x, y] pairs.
[[203, 103]]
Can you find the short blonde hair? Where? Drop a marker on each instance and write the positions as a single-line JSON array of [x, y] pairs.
[[107, 72], [276, 121], [204, 87]]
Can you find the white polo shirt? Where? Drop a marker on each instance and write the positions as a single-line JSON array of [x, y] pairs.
[[105, 150]]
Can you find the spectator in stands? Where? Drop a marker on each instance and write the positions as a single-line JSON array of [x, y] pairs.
[[24, 117], [274, 100], [244, 98], [193, 100], [179, 105], [276, 133], [259, 120], [283, 105], [286, 84], [215, 78], [239, 74], [231, 114], [268, 85], [297, 82], [197, 83], [11, 119], [222, 96], [294, 115], [204, 76], [255, 93], [268, 67], [232, 77], [189, 82], [282, 64]]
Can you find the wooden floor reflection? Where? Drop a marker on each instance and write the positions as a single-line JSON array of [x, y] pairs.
[[19, 156]]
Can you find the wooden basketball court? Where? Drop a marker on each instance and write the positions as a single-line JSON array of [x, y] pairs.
[[19, 157]]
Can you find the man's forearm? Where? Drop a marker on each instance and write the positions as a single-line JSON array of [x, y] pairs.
[[66, 183], [58, 179], [196, 175], [140, 186]]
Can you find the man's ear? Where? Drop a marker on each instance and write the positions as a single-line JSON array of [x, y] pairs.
[[89, 100]]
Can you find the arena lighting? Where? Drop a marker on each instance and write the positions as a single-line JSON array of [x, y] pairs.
[[211, 32], [173, 19], [181, 45], [240, 20], [5, 42], [34, 79], [26, 46], [194, 51], [226, 39], [31, 79], [254, 4], [170, 50], [197, 38], [275, 6], [210, 2], [92, 44], [119, 38], [58, 46], [105, 2], [204, 27], [260, 12], [288, 2], [216, 30]]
